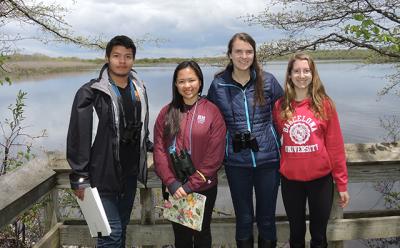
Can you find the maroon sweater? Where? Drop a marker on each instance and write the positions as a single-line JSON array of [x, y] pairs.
[[208, 144]]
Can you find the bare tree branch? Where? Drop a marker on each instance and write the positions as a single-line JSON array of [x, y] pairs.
[[51, 29], [332, 23], [389, 15]]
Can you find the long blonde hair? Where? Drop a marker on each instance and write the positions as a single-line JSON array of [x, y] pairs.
[[316, 90]]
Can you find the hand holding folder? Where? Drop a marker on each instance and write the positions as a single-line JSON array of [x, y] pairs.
[[93, 211]]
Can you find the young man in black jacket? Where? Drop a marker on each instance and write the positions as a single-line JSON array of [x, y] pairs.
[[107, 138]]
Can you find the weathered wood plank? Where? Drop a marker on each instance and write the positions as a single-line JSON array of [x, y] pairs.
[[224, 233], [366, 163], [336, 213], [22, 188], [51, 210], [373, 172], [51, 239], [372, 152], [364, 228], [357, 173], [147, 206]]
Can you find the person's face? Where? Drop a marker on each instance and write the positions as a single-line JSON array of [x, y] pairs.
[[120, 61], [301, 74], [188, 85], [242, 55]]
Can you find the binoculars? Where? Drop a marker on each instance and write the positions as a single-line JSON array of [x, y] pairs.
[[131, 133], [183, 165], [244, 140]]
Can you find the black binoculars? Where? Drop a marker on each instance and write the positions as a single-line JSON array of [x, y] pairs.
[[244, 140], [131, 133], [183, 165]]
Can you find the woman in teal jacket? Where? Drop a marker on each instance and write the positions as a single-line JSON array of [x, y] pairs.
[[245, 95]]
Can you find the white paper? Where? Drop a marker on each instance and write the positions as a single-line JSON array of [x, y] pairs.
[[94, 213]]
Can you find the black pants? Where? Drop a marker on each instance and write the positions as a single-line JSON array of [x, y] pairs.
[[319, 194], [186, 237]]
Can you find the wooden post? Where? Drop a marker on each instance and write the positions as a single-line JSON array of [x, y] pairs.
[[51, 210], [336, 213], [147, 211]]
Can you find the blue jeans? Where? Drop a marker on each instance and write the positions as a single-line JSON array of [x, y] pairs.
[[265, 182], [118, 208]]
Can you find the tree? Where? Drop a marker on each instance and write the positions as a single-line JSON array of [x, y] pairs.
[[373, 24], [316, 24], [48, 17]]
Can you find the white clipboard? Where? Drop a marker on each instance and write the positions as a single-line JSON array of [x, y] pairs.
[[94, 213]]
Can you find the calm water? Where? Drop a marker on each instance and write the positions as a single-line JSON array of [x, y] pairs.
[[353, 87]]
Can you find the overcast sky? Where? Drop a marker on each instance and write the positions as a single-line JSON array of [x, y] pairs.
[[190, 28]]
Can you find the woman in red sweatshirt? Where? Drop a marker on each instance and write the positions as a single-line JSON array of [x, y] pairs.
[[312, 152], [193, 125]]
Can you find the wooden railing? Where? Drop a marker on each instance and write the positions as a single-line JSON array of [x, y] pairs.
[[44, 177]]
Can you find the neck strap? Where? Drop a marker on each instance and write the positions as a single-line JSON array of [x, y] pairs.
[[172, 148]]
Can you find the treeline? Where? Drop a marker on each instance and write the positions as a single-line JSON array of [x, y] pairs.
[[41, 57], [358, 54], [355, 54]]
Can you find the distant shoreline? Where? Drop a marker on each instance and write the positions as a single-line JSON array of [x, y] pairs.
[[23, 66], [24, 69]]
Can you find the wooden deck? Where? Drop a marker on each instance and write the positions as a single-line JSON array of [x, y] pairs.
[[44, 177]]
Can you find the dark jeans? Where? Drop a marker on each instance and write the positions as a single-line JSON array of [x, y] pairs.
[[118, 209], [186, 237], [319, 194], [265, 182]]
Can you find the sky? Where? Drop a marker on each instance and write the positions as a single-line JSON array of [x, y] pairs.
[[187, 28]]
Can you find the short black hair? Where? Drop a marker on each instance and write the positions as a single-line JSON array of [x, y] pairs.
[[120, 40]]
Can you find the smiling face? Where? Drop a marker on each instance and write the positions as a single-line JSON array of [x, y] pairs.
[[242, 55], [188, 85], [301, 75]]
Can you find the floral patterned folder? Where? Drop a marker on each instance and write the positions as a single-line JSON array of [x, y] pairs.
[[187, 211]]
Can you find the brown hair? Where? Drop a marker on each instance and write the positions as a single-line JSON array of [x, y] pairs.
[[259, 87], [316, 90]]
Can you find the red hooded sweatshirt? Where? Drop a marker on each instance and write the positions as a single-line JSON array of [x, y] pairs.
[[207, 151], [311, 147]]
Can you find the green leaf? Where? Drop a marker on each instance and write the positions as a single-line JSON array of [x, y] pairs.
[[358, 17], [385, 38], [367, 23], [366, 35]]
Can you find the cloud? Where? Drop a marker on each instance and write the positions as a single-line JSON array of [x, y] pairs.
[[190, 28]]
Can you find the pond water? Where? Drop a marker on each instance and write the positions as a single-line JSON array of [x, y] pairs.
[[353, 87]]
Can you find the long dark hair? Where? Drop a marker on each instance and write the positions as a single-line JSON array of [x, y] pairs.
[[173, 117], [259, 87]]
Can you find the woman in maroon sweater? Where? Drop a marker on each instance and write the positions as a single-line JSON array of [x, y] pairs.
[[194, 125], [312, 152]]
